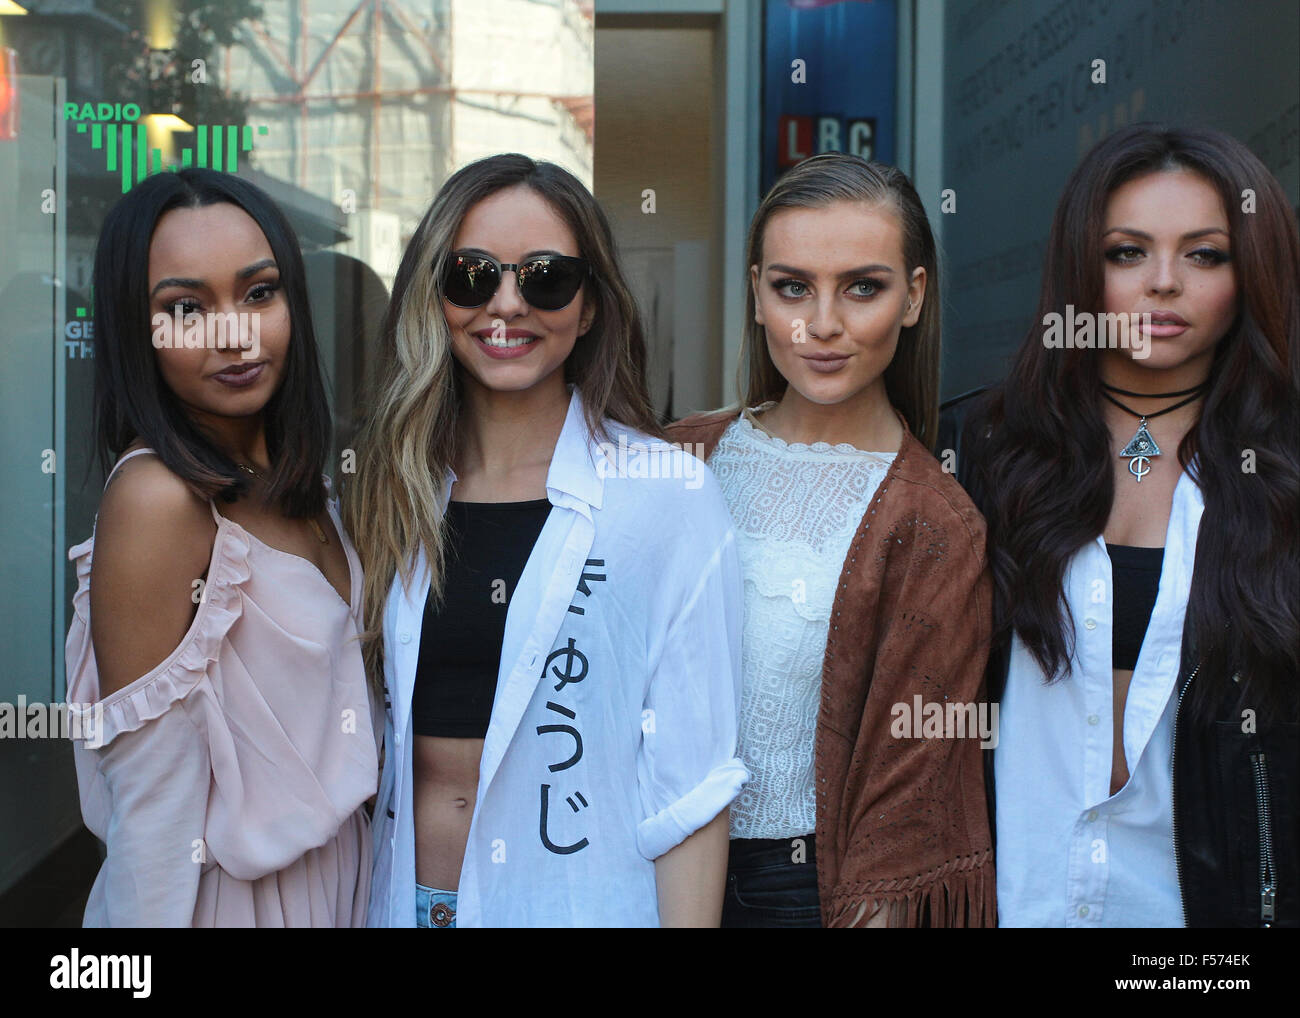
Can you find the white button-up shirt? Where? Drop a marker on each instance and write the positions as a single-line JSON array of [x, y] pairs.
[[1068, 852], [613, 732]]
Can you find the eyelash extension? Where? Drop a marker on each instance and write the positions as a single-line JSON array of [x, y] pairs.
[[269, 287], [780, 284], [1114, 253], [1212, 255], [1215, 256], [877, 286]]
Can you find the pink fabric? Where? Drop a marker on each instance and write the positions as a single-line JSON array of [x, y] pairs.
[[229, 783]]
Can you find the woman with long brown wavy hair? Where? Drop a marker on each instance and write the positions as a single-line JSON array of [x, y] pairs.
[[1141, 496], [551, 590]]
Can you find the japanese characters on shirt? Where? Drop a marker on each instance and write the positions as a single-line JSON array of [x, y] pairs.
[[567, 666]]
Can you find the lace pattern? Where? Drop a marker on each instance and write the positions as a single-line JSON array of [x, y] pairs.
[[795, 509]]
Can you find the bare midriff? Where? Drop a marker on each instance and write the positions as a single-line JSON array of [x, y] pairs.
[[446, 787]]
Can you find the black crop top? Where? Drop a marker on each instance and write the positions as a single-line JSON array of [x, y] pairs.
[[1135, 574], [488, 544]]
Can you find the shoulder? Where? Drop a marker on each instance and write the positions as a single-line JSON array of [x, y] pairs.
[[922, 489], [148, 515], [154, 538], [144, 491], [700, 432], [664, 496], [664, 473]]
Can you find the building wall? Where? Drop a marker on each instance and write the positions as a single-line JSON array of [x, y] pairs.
[[1019, 110], [657, 92]]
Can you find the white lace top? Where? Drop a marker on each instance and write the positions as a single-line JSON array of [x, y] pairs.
[[795, 509]]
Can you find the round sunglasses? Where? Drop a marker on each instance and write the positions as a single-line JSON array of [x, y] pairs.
[[547, 282]]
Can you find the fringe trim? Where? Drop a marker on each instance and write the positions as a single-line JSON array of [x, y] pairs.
[[961, 892]]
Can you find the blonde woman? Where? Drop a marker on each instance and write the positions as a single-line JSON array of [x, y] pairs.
[[867, 600], [556, 625]]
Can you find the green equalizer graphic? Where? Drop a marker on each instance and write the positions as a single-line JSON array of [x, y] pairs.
[[127, 149]]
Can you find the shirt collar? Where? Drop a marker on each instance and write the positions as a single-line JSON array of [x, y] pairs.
[[573, 470], [572, 479]]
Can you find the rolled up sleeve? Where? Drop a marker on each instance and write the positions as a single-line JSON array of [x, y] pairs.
[[687, 768]]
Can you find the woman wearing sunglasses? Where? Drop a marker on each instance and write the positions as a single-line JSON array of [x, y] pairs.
[[867, 601], [556, 624]]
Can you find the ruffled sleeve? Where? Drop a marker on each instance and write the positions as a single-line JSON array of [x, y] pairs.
[[142, 755], [152, 695]]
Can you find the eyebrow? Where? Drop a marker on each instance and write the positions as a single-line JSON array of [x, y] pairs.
[[194, 284], [530, 254], [1146, 236], [860, 271]]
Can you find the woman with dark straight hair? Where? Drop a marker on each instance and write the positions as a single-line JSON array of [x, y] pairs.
[[213, 656], [552, 599], [1142, 494], [867, 599]]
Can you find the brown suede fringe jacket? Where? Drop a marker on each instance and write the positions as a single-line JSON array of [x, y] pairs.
[[901, 821]]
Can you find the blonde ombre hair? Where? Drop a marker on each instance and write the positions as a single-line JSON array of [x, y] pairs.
[[912, 377], [393, 505]]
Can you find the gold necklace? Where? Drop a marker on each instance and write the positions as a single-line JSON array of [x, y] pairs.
[[314, 525]]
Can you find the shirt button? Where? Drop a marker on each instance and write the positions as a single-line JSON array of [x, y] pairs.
[[405, 637], [1093, 719], [1083, 910], [1089, 623], [1092, 815]]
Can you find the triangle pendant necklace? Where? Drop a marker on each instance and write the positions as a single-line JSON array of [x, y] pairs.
[[1141, 447]]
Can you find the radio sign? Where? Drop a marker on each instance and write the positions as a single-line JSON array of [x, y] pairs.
[[830, 81], [802, 136]]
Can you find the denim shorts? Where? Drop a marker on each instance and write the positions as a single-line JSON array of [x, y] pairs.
[[434, 908]]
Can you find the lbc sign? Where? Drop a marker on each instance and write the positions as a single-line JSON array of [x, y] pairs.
[[799, 137]]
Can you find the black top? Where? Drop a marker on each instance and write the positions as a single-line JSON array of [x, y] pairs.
[[488, 544], [1135, 575]]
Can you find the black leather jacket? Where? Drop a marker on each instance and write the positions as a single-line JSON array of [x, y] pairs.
[[1236, 823], [1236, 778]]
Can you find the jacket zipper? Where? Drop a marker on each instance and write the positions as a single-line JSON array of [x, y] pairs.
[[1267, 872], [1173, 765]]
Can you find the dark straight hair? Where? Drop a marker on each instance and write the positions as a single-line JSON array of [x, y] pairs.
[[132, 401], [1043, 465]]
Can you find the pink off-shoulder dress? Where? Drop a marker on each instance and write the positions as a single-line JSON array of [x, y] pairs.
[[228, 782]]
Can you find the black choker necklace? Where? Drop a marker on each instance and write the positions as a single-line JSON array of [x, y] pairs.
[[1142, 447]]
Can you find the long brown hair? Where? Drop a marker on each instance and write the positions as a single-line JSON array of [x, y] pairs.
[[408, 440], [912, 377], [1043, 467]]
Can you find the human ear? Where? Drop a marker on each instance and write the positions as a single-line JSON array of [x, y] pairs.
[[587, 317], [915, 297], [758, 304]]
